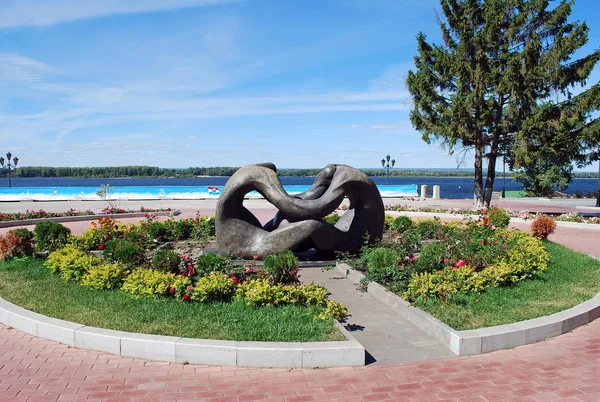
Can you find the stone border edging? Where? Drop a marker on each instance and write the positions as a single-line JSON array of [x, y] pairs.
[[482, 340], [187, 350]]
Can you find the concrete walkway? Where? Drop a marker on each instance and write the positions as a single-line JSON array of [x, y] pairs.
[[387, 337], [564, 368]]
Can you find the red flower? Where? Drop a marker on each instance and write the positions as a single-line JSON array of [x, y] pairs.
[[249, 270], [460, 263], [481, 242], [172, 291], [255, 257], [186, 297], [186, 257], [184, 274], [101, 246], [234, 279]]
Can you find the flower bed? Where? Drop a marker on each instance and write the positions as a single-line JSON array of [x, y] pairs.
[[41, 214], [440, 260], [525, 215], [149, 260]]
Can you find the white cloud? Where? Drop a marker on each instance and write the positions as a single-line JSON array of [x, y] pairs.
[[14, 67], [347, 126], [50, 12], [389, 126]]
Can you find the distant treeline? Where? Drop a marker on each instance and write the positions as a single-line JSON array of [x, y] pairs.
[[153, 171]]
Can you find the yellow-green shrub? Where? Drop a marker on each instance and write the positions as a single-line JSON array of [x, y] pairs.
[[332, 310], [261, 293], [214, 287], [71, 263], [105, 276], [147, 282]]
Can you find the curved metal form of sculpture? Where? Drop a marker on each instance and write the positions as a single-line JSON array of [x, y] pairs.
[[299, 224]]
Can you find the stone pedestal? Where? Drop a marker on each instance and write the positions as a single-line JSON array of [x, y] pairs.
[[423, 191], [436, 192]]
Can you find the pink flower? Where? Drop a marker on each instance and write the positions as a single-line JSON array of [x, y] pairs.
[[225, 244], [186, 257], [460, 263], [446, 260], [255, 257], [249, 270], [481, 242], [412, 259], [504, 246], [190, 287]]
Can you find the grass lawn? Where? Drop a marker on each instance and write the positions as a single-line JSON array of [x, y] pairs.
[[28, 283], [571, 278]]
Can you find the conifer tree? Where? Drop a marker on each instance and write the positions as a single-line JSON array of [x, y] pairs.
[[492, 85]]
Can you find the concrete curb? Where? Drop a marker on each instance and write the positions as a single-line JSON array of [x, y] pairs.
[[578, 225], [483, 340], [28, 222], [185, 350]]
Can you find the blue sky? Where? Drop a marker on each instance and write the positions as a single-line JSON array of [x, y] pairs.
[[179, 83]]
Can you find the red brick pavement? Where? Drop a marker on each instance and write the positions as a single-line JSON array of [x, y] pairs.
[[565, 368]]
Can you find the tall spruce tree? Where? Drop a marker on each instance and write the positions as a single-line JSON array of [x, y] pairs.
[[490, 86]]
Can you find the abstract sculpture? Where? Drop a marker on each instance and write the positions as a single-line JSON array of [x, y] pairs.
[[299, 224]]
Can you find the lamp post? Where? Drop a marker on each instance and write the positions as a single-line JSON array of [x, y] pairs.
[[15, 161], [598, 192], [383, 164], [504, 176]]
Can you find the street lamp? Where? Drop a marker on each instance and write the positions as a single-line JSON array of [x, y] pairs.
[[383, 164], [15, 161], [598, 192]]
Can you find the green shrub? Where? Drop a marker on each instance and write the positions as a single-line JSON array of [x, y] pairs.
[[383, 264], [402, 223], [184, 228], [23, 233], [124, 251], [432, 257], [157, 230], [148, 282], [204, 228], [105, 276], [281, 267], [50, 236], [332, 219], [430, 228], [215, 287], [166, 261], [212, 262], [71, 263], [498, 217]]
